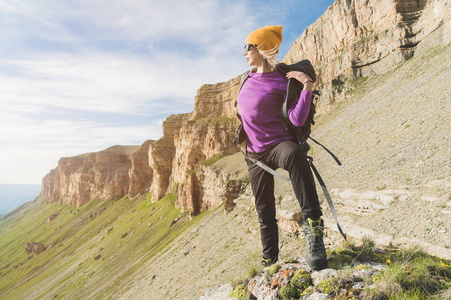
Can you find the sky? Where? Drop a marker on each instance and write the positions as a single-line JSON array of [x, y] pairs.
[[79, 76]]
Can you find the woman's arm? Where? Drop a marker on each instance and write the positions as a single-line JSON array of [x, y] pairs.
[[302, 78], [298, 111]]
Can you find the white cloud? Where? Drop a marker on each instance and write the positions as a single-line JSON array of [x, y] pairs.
[[192, 20], [106, 83], [94, 82]]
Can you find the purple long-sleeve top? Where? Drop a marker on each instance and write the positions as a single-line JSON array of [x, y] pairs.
[[260, 101]]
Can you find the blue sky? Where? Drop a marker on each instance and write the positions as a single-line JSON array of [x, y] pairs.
[[81, 76]]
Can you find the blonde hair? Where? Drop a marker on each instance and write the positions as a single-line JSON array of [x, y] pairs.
[[269, 57]]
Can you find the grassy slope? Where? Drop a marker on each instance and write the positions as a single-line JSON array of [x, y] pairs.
[[125, 233]]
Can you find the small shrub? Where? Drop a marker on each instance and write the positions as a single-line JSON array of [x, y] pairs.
[[288, 293], [301, 280], [328, 286], [237, 281], [298, 284], [362, 267], [212, 159], [349, 245], [340, 258], [368, 242], [252, 271], [407, 255], [439, 268], [239, 292], [273, 269]]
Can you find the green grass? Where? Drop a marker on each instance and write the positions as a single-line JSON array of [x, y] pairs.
[[410, 273], [212, 159], [122, 235], [413, 273]]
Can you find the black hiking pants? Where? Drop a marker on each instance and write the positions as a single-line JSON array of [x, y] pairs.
[[289, 156]]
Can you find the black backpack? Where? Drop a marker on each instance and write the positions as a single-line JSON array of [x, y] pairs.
[[302, 133]]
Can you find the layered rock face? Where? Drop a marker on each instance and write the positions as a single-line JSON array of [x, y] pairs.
[[140, 173], [356, 38], [161, 155], [189, 140], [101, 175]]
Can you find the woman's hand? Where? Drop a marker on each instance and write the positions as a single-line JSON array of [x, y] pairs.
[[302, 78]]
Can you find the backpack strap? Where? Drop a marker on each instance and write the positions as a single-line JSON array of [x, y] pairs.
[[244, 77], [327, 150], [294, 89], [243, 80], [301, 133]]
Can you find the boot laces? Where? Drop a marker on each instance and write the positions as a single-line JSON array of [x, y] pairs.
[[316, 238]]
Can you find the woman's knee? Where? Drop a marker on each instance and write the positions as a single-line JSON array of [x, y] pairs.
[[294, 156]]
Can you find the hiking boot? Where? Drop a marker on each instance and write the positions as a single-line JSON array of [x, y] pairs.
[[315, 252], [268, 262]]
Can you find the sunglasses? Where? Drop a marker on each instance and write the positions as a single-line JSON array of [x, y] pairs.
[[248, 47]]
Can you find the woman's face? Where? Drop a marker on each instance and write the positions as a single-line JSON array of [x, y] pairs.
[[253, 57]]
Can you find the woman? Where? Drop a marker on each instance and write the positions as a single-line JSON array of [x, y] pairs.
[[260, 100]]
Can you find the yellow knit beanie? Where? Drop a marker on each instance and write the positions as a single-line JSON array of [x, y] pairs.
[[266, 38]]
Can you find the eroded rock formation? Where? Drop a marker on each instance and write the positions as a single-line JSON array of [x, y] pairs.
[[101, 175], [140, 172], [209, 131]]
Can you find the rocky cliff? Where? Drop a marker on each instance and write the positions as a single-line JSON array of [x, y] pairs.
[[108, 174], [207, 131], [353, 39], [362, 38]]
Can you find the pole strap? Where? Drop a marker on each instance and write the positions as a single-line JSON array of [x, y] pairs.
[[327, 150], [327, 195], [265, 167]]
